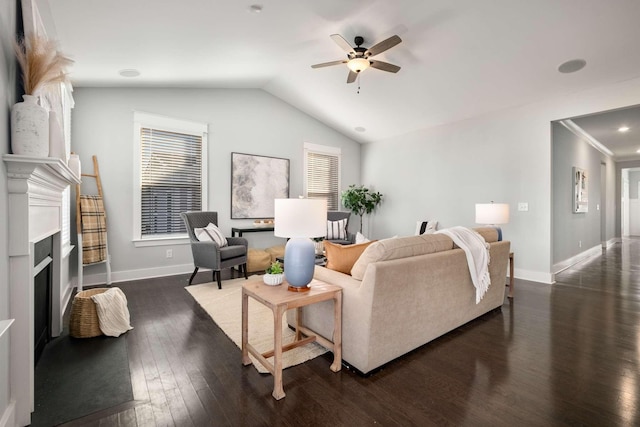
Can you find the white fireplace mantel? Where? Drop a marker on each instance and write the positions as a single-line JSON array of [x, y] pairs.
[[35, 188]]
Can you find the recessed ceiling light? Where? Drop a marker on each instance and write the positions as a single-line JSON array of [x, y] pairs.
[[638, 150], [129, 72], [255, 8], [360, 129], [572, 66], [623, 128]]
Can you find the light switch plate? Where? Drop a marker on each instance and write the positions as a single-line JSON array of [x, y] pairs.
[[523, 206]]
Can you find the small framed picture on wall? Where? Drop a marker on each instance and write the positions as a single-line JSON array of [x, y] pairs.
[[580, 191]]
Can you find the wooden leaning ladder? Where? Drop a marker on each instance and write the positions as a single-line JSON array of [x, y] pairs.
[[107, 259]]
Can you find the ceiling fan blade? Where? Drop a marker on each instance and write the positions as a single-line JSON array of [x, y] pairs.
[[328, 64], [382, 46], [340, 41], [352, 77], [384, 66]]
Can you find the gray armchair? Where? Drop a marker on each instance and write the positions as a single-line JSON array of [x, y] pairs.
[[209, 254], [336, 216]]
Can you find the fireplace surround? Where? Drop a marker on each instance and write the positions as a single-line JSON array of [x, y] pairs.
[[35, 188]]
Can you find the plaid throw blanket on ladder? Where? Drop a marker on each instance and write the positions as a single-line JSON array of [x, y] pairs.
[[94, 229]]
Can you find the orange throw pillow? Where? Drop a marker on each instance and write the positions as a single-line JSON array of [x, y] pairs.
[[342, 257]]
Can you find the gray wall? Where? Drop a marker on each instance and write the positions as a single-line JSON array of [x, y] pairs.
[[246, 121], [7, 99], [574, 233], [505, 156]]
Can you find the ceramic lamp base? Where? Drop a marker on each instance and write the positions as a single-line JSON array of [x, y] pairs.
[[299, 262]]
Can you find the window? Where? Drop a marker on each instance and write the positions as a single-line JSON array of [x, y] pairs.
[[322, 174], [170, 160]]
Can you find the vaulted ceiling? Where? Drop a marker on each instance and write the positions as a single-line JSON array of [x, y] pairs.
[[459, 59]]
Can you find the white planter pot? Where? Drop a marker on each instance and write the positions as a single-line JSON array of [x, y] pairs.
[[273, 279], [29, 128]]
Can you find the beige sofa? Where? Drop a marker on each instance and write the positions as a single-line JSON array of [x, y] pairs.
[[403, 293]]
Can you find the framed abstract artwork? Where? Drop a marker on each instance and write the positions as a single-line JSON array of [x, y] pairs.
[[580, 191], [255, 182]]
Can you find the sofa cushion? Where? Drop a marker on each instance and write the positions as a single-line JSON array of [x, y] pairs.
[[342, 257], [401, 247]]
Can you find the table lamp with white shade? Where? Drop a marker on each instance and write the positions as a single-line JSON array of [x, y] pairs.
[[492, 214], [300, 220]]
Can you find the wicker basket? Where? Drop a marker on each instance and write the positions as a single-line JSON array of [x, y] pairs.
[[83, 322]]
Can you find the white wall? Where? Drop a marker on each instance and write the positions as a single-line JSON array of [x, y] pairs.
[[7, 99], [246, 121], [575, 233], [505, 156]]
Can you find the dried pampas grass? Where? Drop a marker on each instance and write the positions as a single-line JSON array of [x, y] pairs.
[[41, 62]]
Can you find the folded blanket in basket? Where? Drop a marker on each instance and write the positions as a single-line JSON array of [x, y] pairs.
[[113, 314], [94, 229]]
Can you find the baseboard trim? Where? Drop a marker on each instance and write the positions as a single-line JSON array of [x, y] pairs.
[[9, 416], [145, 273], [533, 276], [570, 262]]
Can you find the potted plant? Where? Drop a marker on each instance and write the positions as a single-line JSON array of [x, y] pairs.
[[360, 200], [274, 275]]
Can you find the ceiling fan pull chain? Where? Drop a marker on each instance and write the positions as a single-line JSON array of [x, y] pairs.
[[358, 92]]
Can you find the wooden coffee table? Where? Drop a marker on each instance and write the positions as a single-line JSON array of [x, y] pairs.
[[279, 300]]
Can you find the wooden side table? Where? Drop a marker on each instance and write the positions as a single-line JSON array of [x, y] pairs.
[[279, 300], [511, 279]]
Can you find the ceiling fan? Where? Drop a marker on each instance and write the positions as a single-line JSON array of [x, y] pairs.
[[358, 57]]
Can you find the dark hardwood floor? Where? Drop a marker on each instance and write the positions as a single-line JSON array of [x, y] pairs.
[[563, 354]]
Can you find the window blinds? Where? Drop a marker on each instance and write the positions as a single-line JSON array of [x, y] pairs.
[[323, 172], [171, 179]]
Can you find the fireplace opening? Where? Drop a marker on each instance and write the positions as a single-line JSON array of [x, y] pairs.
[[43, 256]]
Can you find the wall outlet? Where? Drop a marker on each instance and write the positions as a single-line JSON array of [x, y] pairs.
[[169, 253], [580, 243], [523, 206]]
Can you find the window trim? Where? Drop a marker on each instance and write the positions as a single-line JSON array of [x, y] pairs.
[[321, 149], [156, 121]]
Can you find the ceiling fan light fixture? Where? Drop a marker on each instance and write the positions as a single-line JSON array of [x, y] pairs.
[[358, 65]]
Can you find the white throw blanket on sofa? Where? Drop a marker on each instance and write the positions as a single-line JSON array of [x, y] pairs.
[[113, 314], [477, 251]]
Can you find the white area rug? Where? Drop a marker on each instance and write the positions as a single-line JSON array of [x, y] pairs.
[[225, 308]]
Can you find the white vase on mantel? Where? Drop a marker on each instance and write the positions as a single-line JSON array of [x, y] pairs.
[[29, 128]]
